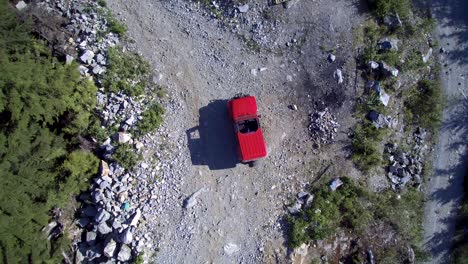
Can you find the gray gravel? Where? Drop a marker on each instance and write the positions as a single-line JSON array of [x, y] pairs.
[[445, 189]]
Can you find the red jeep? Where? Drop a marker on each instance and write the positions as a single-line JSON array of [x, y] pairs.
[[251, 144]]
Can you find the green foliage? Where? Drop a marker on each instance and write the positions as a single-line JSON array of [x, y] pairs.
[[413, 61], [152, 119], [43, 106], [139, 259], [381, 8], [329, 210], [125, 156], [366, 146], [127, 72], [372, 33], [115, 26], [102, 3], [424, 104]]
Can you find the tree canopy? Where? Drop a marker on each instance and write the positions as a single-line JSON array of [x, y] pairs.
[[44, 106]]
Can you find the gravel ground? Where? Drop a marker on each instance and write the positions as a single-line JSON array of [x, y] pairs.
[[203, 62], [445, 190]]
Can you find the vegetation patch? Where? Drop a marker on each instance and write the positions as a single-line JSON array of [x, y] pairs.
[[44, 107], [329, 211], [424, 104], [382, 8], [127, 72], [460, 250], [125, 156], [152, 118]]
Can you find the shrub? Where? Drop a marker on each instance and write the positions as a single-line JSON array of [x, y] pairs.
[[102, 3], [125, 156], [424, 104], [114, 25], [127, 72], [152, 119], [366, 146], [381, 8], [329, 210]]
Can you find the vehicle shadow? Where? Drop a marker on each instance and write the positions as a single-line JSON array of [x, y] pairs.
[[212, 142]]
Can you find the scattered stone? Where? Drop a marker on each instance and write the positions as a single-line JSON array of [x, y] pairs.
[[331, 57], [231, 248], [109, 249], [98, 69], [243, 8], [126, 236], [87, 57], [122, 137], [428, 55], [335, 184], [373, 65], [103, 228], [102, 216], [91, 238], [293, 107], [323, 127], [135, 218], [192, 200], [392, 21], [387, 70], [338, 75], [69, 59], [125, 253], [104, 169], [388, 44], [21, 5], [295, 208]]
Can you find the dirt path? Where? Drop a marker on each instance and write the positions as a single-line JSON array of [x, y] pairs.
[[446, 187], [237, 218]]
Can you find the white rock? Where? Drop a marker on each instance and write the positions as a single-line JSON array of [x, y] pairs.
[[122, 137], [69, 59], [331, 57], [136, 217], [87, 57], [109, 249], [126, 236], [231, 248], [125, 254], [21, 5], [338, 75], [243, 8], [428, 55]]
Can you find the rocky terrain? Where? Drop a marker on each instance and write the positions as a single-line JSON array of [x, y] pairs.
[[189, 200]]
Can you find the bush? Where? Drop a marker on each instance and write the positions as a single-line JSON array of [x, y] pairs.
[[381, 8], [366, 146], [424, 105], [127, 72], [125, 156], [152, 119], [329, 211], [44, 106], [115, 26], [102, 3]]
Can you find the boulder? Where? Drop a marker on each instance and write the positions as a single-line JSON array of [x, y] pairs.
[[122, 137], [192, 200], [91, 238], [21, 5], [231, 248], [103, 228], [102, 216], [373, 65], [90, 211], [387, 70], [98, 69], [388, 44], [392, 21], [125, 253], [82, 222], [295, 208], [334, 184], [109, 249], [338, 75], [69, 59], [93, 252], [425, 58], [87, 57], [243, 8], [126, 236], [135, 218]]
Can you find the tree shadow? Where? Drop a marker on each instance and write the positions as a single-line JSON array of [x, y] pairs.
[[212, 142], [453, 13]]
